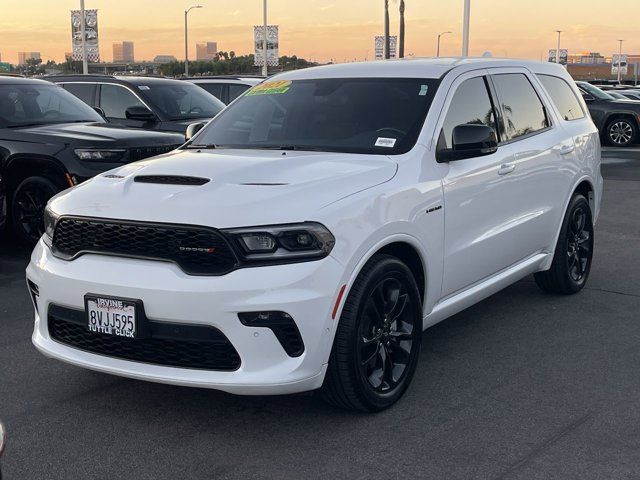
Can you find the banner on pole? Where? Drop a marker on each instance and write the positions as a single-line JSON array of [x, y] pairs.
[[90, 33], [273, 58], [619, 62]]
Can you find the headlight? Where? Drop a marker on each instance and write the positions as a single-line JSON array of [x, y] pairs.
[[282, 243], [107, 154], [50, 220]]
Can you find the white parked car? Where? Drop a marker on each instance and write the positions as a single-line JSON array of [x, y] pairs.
[[308, 234], [226, 88]]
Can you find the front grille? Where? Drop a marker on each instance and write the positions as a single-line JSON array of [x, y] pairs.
[[170, 179], [196, 250], [140, 153], [168, 344]]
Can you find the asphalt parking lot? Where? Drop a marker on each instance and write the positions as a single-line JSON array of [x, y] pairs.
[[524, 385]]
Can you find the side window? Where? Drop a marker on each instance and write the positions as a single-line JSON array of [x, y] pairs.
[[563, 97], [235, 90], [470, 105], [84, 91], [115, 100], [522, 109], [214, 89]]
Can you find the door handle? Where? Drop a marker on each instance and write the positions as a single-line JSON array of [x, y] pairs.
[[567, 149], [506, 168]]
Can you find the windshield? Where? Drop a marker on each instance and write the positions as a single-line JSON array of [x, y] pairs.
[[356, 115], [595, 91], [181, 101], [35, 104]]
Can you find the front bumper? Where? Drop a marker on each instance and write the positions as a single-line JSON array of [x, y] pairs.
[[306, 291]]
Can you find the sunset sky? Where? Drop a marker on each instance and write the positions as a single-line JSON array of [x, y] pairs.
[[321, 30]]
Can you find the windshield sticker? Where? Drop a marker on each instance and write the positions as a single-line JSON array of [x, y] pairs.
[[270, 88], [423, 90], [143, 87], [385, 142]]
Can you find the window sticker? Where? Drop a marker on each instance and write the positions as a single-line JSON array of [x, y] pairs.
[[385, 142], [270, 88], [143, 87], [423, 90]]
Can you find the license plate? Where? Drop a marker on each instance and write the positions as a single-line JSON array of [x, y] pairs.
[[111, 316]]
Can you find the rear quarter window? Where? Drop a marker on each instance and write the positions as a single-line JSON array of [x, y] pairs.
[[563, 97]]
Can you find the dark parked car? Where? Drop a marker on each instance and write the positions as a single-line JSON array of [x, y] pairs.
[[617, 120], [152, 103], [50, 140], [226, 88]]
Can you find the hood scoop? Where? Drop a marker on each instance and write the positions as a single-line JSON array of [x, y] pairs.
[[171, 179]]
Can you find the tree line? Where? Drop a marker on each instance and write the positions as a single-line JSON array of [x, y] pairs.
[[225, 63]]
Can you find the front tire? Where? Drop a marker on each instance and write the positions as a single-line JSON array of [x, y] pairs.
[[377, 343], [27, 207], [621, 132], [574, 251]]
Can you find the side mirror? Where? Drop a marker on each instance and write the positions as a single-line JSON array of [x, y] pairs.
[[468, 141], [192, 129], [587, 97], [140, 113]]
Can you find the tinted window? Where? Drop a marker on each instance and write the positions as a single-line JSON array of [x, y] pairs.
[[35, 104], [522, 109], [84, 91], [181, 100], [563, 97], [470, 105], [235, 90], [214, 89], [115, 100], [359, 115]]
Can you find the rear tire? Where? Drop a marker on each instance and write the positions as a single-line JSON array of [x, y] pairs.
[[574, 251], [27, 207], [621, 132], [377, 343]]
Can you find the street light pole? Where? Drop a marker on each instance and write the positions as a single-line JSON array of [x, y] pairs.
[[558, 48], [265, 68], [85, 64], [186, 41], [619, 62], [465, 28], [438, 49]]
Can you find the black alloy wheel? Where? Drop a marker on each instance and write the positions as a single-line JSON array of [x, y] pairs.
[[574, 251], [386, 335], [27, 207], [377, 342], [578, 244]]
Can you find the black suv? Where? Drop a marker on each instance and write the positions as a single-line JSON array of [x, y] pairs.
[[617, 120], [50, 140], [152, 103]]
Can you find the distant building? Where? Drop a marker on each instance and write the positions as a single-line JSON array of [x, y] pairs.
[[206, 50], [586, 57], [164, 59], [379, 46], [123, 52], [24, 56]]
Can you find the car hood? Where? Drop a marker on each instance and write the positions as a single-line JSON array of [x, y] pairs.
[[245, 187], [97, 135]]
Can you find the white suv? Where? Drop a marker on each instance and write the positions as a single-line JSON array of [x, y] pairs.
[[308, 234]]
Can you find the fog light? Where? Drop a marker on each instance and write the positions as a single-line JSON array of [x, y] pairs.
[[281, 324]]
